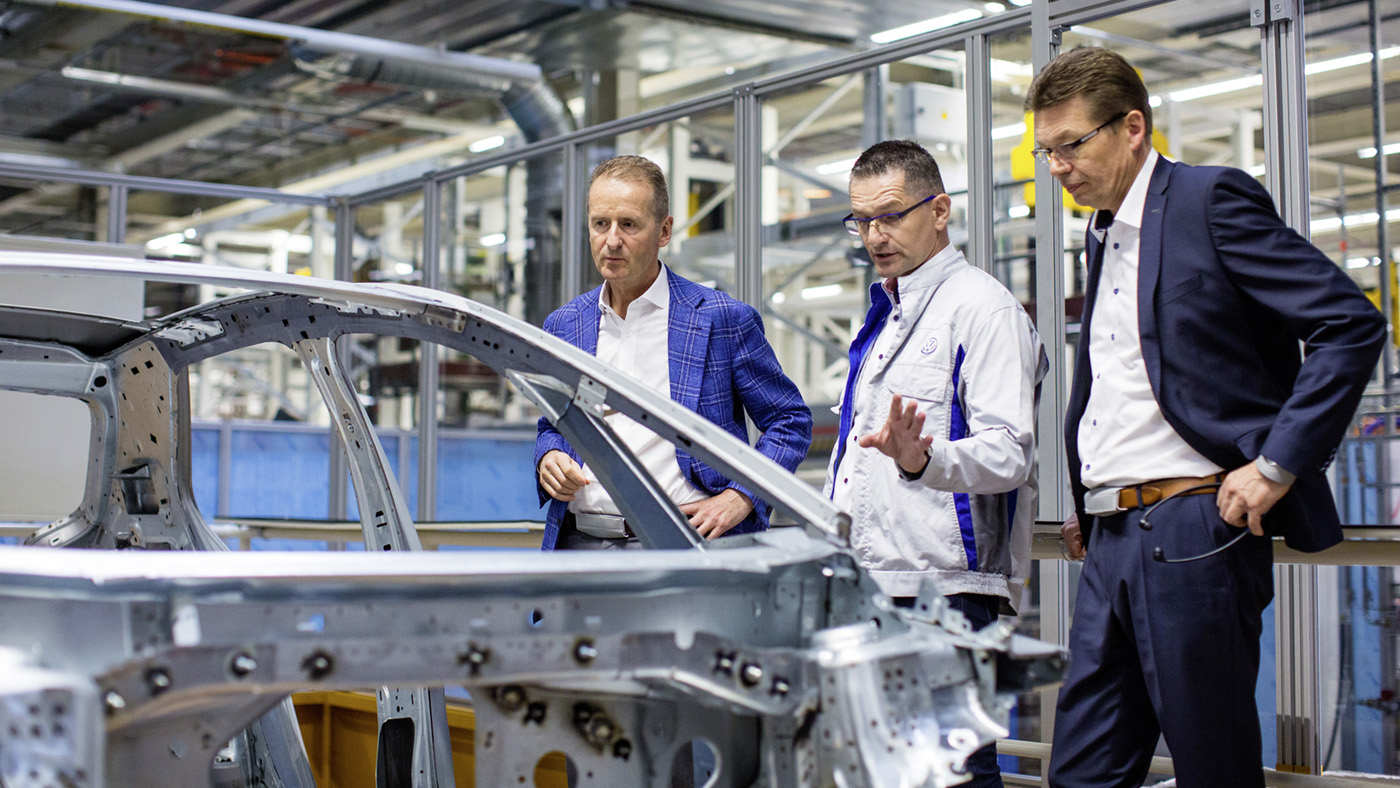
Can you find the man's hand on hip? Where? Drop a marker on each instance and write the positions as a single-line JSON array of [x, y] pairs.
[[902, 437], [1246, 496], [560, 476], [713, 516], [1073, 538]]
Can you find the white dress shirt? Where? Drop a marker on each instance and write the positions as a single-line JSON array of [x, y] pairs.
[[1123, 437], [637, 346]]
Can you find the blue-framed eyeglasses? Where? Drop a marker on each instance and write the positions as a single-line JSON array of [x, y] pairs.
[[889, 221], [1069, 151]]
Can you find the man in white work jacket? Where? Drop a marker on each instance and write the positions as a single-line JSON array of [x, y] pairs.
[[936, 457]]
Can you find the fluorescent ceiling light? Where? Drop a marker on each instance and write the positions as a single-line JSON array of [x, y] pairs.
[[1004, 70], [1257, 170], [1370, 153], [1353, 220], [1323, 66], [836, 167], [494, 239], [778, 297], [821, 291], [489, 143], [1362, 262], [1020, 3], [936, 23], [1154, 101], [993, 8], [403, 269], [1019, 211], [166, 240], [1255, 80], [1007, 132], [1216, 88]]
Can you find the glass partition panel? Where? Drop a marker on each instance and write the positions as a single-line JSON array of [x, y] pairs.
[[1356, 614], [696, 153]]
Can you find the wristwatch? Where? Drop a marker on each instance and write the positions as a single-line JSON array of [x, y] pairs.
[[1273, 471], [912, 477]]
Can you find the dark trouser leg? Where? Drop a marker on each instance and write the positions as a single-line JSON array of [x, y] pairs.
[[1175, 645], [1105, 729]]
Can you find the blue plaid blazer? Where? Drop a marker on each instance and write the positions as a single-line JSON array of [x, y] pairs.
[[721, 365]]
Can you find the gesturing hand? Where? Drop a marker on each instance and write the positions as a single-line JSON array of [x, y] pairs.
[[902, 437], [560, 476], [713, 516]]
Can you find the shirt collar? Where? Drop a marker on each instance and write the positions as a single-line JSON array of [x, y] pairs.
[[932, 272], [1130, 212], [658, 295]]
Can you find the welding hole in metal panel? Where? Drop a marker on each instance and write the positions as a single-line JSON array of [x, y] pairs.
[[536, 617], [548, 767], [149, 365], [695, 766], [395, 762], [99, 381]]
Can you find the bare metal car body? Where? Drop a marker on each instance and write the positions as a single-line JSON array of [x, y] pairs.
[[143, 667]]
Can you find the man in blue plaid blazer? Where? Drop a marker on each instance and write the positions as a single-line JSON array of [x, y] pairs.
[[704, 348]]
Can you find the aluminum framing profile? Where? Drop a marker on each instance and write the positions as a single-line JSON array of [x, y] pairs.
[[977, 83], [1050, 297], [573, 239], [555, 144], [748, 175], [166, 185], [116, 214], [344, 271], [428, 354], [1280, 24]]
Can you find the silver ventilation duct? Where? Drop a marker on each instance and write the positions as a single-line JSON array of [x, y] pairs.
[[536, 110]]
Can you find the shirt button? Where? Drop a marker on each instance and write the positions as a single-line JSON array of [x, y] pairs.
[[1115, 291], [846, 480], [1112, 336], [1115, 246], [882, 355], [1096, 422]]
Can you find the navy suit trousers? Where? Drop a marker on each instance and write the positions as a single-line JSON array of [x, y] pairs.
[[1169, 649]]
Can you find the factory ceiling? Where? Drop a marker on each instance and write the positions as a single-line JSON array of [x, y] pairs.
[[121, 92]]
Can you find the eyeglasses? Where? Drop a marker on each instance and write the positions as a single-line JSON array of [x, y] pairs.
[[889, 221], [1069, 151]]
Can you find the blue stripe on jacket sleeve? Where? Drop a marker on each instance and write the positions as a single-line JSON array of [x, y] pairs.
[[957, 430]]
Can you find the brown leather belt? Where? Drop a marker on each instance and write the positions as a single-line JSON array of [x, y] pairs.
[[1111, 500]]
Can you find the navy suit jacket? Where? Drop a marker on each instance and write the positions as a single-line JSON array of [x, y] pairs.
[[1226, 292], [720, 365]]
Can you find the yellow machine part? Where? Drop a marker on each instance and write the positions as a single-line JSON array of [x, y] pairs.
[[341, 730], [1023, 162]]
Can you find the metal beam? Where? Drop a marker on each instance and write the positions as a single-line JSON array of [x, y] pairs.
[[325, 40]]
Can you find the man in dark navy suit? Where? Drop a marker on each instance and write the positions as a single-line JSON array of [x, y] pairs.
[[1189, 389]]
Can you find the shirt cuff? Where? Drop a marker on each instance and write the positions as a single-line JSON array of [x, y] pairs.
[[913, 477], [1273, 471]]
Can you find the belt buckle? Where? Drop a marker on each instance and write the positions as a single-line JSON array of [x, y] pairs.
[[1103, 501], [601, 526]]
